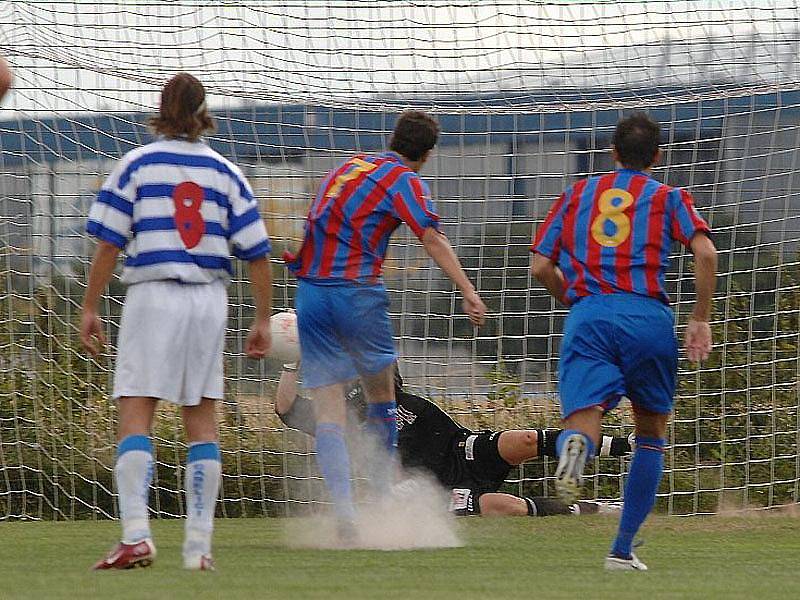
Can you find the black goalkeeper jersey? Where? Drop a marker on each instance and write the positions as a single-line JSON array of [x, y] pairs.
[[427, 436]]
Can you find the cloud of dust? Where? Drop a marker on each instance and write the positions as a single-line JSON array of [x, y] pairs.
[[412, 515], [731, 506]]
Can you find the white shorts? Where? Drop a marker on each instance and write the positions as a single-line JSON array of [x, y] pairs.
[[171, 340]]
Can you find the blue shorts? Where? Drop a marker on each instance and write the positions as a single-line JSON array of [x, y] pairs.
[[344, 332], [618, 345]]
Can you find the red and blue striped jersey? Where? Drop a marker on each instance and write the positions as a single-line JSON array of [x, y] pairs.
[[356, 209], [612, 233]]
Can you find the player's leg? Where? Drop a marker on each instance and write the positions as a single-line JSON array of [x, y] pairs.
[[507, 505], [333, 457], [201, 345], [518, 445], [366, 332], [575, 445], [650, 362], [382, 406], [495, 504], [142, 372], [133, 472], [643, 479], [590, 381], [203, 474], [608, 446], [325, 365]]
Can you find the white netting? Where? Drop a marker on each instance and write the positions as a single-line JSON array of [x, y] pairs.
[[527, 94]]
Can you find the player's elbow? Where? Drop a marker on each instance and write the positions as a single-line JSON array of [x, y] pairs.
[[705, 253], [541, 267], [106, 249], [432, 238]]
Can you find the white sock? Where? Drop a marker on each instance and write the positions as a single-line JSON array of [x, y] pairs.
[[203, 473], [133, 474]]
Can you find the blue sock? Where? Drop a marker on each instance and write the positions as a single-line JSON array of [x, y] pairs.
[[640, 492], [562, 439], [382, 423], [334, 464]]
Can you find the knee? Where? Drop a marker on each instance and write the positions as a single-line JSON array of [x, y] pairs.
[[650, 431], [650, 424], [530, 440]]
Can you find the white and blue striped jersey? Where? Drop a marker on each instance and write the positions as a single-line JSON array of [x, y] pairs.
[[179, 210]]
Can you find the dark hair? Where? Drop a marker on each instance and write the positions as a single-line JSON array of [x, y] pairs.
[[636, 140], [415, 133], [183, 112]]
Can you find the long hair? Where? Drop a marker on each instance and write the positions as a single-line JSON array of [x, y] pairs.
[[183, 112]]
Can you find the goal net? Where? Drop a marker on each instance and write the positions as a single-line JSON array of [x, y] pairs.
[[527, 93]]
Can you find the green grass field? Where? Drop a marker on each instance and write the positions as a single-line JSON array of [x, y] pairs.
[[559, 557]]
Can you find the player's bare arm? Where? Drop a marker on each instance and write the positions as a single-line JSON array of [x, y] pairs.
[[258, 340], [100, 273], [439, 249], [549, 275], [698, 331], [6, 78]]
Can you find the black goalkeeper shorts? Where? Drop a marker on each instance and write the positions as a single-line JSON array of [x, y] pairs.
[[482, 467]]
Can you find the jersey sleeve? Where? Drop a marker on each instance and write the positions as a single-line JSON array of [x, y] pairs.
[[547, 241], [246, 230], [686, 221], [300, 416], [111, 214], [412, 204]]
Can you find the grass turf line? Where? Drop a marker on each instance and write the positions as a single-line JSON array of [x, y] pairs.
[[558, 557]]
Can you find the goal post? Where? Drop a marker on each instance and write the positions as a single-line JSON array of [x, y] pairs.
[[527, 94]]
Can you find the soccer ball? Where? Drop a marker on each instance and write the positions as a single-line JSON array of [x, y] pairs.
[[285, 344]]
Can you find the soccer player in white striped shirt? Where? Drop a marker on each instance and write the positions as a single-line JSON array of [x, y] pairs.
[[179, 210]]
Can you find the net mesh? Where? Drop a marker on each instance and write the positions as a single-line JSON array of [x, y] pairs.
[[527, 94]]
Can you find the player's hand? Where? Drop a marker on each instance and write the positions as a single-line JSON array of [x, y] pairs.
[[698, 340], [474, 308], [91, 333], [259, 340]]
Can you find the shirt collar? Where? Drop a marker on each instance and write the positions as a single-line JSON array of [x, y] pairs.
[[633, 171], [394, 156]]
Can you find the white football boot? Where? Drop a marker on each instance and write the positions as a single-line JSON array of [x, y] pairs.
[[614, 563], [569, 474]]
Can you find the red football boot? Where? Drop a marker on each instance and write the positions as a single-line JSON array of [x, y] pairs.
[[129, 556]]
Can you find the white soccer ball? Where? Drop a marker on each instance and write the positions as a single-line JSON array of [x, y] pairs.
[[285, 343]]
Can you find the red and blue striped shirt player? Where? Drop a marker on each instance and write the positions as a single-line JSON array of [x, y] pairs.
[[603, 250], [357, 208], [613, 234], [342, 305]]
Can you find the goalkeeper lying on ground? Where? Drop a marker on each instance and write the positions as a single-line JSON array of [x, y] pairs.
[[472, 464]]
